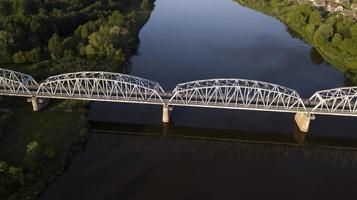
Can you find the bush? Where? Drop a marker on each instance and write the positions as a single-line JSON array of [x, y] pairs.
[[32, 56]]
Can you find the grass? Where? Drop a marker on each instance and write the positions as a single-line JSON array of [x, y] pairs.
[[40, 143]]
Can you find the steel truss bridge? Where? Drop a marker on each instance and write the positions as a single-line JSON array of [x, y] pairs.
[[238, 94]]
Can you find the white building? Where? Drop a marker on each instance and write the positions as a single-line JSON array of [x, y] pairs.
[[319, 3], [354, 6], [334, 7]]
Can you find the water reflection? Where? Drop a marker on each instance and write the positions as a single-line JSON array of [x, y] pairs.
[[293, 33], [119, 166], [316, 57], [295, 138], [225, 149]]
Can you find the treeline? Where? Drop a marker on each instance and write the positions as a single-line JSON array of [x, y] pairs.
[[35, 30], [333, 35]]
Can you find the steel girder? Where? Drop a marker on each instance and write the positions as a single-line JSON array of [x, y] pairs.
[[342, 100], [16, 82], [238, 93], [218, 93], [101, 85]]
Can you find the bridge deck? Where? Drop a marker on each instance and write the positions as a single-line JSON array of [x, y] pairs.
[[240, 94], [254, 106]]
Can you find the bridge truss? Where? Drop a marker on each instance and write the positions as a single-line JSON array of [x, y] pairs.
[[212, 93], [237, 94], [12, 82], [101, 86], [339, 101]]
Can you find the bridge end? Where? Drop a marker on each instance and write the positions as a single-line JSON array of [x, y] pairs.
[[303, 119]]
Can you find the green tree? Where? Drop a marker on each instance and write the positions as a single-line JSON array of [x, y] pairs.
[[6, 41], [315, 18], [4, 8], [85, 30], [337, 40], [323, 34], [22, 7], [99, 44], [119, 56], [118, 36], [55, 46], [106, 43], [116, 18], [310, 29], [275, 2], [305, 9], [350, 45], [297, 18], [146, 5], [34, 55], [19, 57], [343, 26], [353, 31]]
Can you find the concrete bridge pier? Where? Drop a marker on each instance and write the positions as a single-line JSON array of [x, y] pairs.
[[302, 120], [165, 113], [35, 103]]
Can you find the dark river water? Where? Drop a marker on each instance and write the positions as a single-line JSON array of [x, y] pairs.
[[187, 40], [254, 154]]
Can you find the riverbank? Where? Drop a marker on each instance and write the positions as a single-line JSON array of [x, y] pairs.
[[37, 147], [334, 36]]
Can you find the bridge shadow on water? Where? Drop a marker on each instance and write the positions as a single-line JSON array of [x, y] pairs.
[[247, 126], [340, 150], [131, 155], [122, 166], [297, 138]]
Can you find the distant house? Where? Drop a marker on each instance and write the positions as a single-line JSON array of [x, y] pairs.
[[350, 13], [343, 1], [319, 3], [354, 6], [334, 7]]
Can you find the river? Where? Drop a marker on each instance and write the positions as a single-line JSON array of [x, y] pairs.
[[191, 40], [188, 40]]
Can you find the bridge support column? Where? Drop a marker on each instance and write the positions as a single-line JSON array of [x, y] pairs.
[[35, 103], [303, 121], [165, 114], [38, 104]]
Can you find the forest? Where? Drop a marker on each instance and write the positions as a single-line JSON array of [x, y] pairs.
[[70, 31], [332, 34], [48, 37]]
